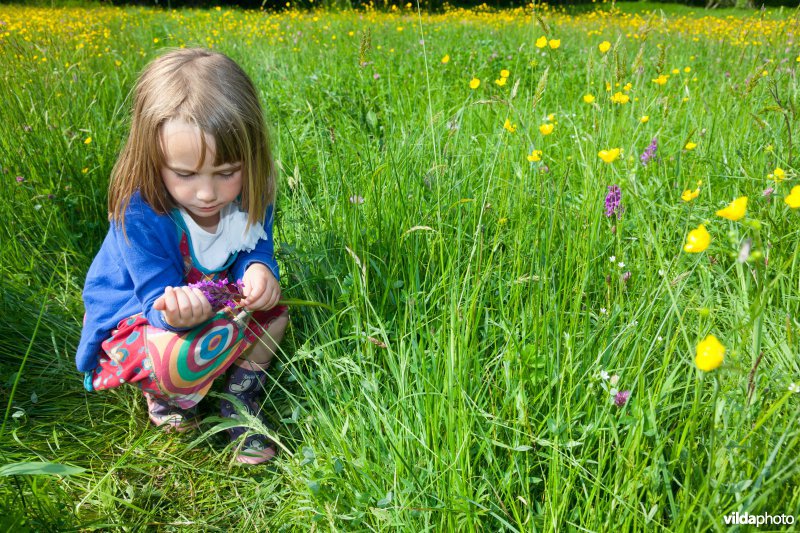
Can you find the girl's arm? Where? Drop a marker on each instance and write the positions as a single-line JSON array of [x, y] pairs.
[[150, 251], [264, 253]]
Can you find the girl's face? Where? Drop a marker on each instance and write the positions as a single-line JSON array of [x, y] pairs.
[[201, 190]]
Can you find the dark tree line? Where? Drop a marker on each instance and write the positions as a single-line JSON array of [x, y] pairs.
[[427, 5]]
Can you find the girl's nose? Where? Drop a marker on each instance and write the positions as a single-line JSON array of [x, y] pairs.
[[206, 192]]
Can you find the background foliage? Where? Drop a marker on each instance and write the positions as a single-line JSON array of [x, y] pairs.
[[465, 380]]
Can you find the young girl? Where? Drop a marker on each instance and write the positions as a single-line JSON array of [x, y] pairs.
[[190, 200]]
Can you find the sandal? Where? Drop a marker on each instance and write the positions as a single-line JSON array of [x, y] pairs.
[[169, 417], [245, 384]]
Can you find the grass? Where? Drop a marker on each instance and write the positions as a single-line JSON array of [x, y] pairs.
[[460, 382]]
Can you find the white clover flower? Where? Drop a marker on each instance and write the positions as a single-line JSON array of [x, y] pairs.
[[614, 380], [604, 374]]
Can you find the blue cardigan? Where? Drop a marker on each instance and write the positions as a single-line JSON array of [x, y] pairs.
[[126, 277]]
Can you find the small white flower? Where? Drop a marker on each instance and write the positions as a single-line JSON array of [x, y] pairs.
[[794, 387], [604, 374], [613, 392], [621, 264], [614, 380], [660, 338], [612, 258], [603, 310], [661, 272]]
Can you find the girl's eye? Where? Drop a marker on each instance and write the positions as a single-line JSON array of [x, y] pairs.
[[228, 174], [183, 175]]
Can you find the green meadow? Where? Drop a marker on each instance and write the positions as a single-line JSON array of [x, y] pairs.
[[505, 348]]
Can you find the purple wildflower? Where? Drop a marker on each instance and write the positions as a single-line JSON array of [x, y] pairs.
[[649, 152], [626, 276], [621, 398], [376, 76], [220, 294], [768, 192], [20, 179], [613, 201]]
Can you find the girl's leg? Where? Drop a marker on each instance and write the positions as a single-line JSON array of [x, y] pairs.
[[260, 354], [245, 381]]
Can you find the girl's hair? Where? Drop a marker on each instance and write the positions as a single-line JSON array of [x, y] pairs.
[[211, 91]]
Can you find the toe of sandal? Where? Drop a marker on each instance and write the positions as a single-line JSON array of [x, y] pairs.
[[257, 450]]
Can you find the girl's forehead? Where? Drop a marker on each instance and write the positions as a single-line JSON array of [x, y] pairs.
[[182, 143]]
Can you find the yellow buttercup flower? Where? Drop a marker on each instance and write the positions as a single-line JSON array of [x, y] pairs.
[[690, 146], [546, 129], [500, 82], [644, 119], [778, 174], [541, 42], [793, 200], [446, 59], [554, 43], [709, 354], [605, 46], [609, 156], [504, 73], [509, 127], [474, 83], [620, 98], [535, 155], [735, 210], [661, 79], [88, 140], [697, 240], [588, 98], [689, 195]]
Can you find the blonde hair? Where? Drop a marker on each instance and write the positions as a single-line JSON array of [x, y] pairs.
[[211, 91]]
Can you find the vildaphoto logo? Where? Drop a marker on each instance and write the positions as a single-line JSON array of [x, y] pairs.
[[741, 519]]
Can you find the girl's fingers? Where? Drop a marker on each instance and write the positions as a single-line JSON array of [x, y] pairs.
[[195, 304], [205, 305], [256, 292], [184, 306], [170, 302]]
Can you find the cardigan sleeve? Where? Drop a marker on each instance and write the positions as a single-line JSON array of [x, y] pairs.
[[150, 252], [264, 252]]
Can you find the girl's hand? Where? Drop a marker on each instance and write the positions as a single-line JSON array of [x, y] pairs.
[[261, 290], [183, 307]]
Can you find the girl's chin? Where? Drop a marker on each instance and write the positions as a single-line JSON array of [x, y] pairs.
[[204, 220]]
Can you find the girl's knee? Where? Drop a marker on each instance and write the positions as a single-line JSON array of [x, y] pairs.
[[279, 324]]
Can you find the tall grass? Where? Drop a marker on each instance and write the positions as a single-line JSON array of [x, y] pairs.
[[460, 382]]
